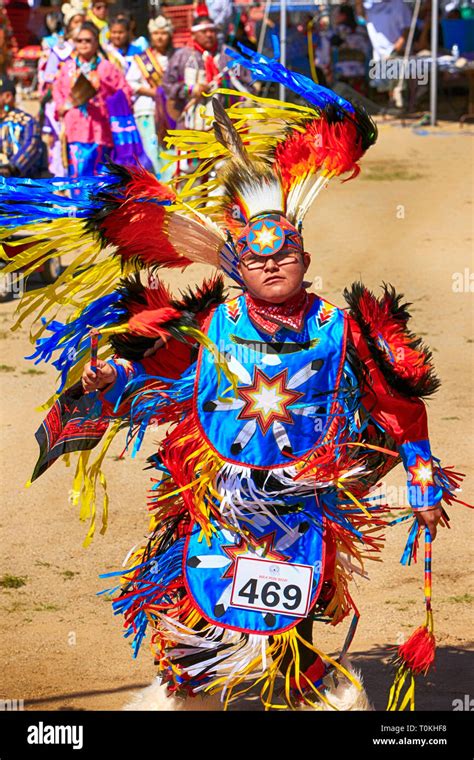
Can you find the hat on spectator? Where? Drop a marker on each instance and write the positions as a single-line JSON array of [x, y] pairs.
[[160, 24], [74, 8]]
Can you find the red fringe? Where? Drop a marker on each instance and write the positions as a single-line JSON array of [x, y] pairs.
[[418, 652]]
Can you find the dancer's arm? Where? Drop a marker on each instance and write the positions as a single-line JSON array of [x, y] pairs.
[[405, 419]]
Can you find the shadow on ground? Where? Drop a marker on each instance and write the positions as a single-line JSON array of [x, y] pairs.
[[449, 680]]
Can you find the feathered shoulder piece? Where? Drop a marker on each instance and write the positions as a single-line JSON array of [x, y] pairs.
[[153, 315], [402, 356]]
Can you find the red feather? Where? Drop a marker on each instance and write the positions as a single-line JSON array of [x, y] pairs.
[[418, 653], [391, 336], [333, 147], [150, 323], [148, 319], [138, 224]]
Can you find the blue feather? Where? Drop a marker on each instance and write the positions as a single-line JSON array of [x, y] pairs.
[[30, 201], [271, 70], [72, 338]]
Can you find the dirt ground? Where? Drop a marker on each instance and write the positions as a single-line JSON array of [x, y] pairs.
[[406, 220]]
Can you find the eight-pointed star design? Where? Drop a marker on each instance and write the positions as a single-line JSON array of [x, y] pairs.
[[267, 399]]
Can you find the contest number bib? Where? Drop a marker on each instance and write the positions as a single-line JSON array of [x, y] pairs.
[[270, 586]]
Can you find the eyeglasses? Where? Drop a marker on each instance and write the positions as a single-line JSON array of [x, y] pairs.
[[282, 259], [86, 40]]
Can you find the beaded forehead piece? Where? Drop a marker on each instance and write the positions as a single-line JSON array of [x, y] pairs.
[[267, 235]]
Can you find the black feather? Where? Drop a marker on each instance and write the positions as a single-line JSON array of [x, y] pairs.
[[422, 387], [193, 301]]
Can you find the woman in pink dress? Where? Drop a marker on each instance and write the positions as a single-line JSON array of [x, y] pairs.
[[88, 127]]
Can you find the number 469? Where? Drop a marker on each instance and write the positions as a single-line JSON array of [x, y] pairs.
[[271, 594]]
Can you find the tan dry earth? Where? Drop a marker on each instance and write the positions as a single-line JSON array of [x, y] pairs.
[[406, 221]]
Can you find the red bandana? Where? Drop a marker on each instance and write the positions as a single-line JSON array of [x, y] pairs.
[[270, 317], [210, 66]]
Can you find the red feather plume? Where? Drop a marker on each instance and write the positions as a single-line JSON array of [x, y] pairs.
[[137, 222], [148, 319], [333, 147]]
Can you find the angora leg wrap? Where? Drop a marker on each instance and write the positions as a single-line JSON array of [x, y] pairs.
[[157, 697]]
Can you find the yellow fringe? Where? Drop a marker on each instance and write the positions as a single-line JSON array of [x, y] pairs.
[[85, 484], [275, 652], [403, 673]]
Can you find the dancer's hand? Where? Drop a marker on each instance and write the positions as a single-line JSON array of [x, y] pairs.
[[429, 518], [198, 91], [96, 381]]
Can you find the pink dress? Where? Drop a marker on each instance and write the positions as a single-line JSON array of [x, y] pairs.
[[90, 123]]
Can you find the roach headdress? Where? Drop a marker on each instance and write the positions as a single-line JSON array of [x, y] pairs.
[[261, 164]]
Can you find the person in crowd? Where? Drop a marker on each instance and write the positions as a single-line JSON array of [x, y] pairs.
[[120, 49], [145, 77], [388, 24], [242, 32], [139, 41], [322, 48], [21, 147], [351, 49], [80, 94], [221, 12], [197, 70], [98, 13], [55, 28], [74, 15], [297, 57]]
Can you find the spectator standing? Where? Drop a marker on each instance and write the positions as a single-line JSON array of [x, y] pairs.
[[120, 49], [21, 147], [145, 77], [196, 70], [352, 49], [73, 17], [139, 42], [221, 12], [54, 25], [81, 101], [388, 24], [98, 15], [322, 57]]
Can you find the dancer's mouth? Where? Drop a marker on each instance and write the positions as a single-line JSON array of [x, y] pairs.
[[273, 278]]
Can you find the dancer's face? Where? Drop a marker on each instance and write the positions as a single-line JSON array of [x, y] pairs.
[[86, 44], [119, 35], [276, 278], [160, 40], [207, 38]]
